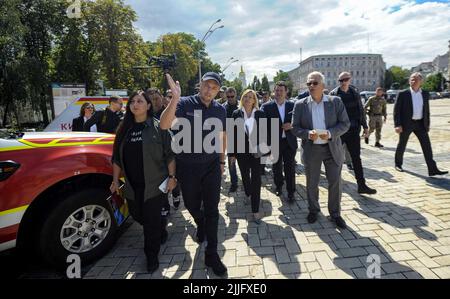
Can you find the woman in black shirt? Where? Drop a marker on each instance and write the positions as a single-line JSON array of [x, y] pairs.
[[86, 111], [142, 151]]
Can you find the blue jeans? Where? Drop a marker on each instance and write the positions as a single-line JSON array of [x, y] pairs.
[[233, 172]]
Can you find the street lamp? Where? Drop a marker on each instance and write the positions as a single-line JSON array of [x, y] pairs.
[[229, 64], [205, 37]]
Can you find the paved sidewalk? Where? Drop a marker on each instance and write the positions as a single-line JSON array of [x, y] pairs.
[[406, 224]]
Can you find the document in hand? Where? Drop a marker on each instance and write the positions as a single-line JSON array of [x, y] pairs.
[[163, 186]]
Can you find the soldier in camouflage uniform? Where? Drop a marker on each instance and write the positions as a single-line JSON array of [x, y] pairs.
[[376, 109]]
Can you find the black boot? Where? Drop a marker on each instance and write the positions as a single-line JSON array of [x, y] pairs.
[[364, 189], [213, 261]]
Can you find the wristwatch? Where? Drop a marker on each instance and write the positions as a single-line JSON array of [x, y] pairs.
[[172, 176], [222, 162]]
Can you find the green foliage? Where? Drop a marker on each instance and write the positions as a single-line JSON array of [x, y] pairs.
[[399, 76], [284, 76], [434, 82], [265, 83]]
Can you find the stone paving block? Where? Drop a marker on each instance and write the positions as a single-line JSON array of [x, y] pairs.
[[123, 266], [111, 262], [282, 255], [347, 263], [292, 245], [353, 252], [403, 246], [324, 260], [248, 260], [401, 256], [105, 273], [338, 274], [290, 268], [318, 274], [262, 251], [442, 260], [270, 265], [443, 273]]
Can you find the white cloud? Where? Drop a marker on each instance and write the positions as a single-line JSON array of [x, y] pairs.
[[266, 35]]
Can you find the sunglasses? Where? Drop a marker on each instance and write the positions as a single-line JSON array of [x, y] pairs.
[[230, 97], [344, 80], [315, 83]]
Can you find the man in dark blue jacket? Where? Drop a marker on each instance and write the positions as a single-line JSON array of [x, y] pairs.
[[230, 106], [281, 109]]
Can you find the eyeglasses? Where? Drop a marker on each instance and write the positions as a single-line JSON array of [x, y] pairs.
[[344, 80], [230, 97], [315, 83]]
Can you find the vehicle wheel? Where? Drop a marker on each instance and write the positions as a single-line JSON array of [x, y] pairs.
[[83, 224]]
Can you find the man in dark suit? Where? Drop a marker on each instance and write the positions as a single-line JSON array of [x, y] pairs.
[[412, 115], [107, 120], [281, 109]]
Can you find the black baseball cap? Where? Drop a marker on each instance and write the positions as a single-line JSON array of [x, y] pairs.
[[212, 76]]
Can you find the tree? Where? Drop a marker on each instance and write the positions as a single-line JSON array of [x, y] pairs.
[[186, 64], [110, 25], [256, 85], [74, 57], [42, 20], [283, 76], [400, 76], [433, 82], [388, 79], [12, 85], [188, 51], [265, 83]]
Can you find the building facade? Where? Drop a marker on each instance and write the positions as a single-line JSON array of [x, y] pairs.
[[368, 70], [440, 64]]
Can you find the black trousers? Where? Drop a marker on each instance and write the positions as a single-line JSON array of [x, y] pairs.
[[418, 128], [200, 185], [148, 214], [286, 159], [250, 168], [353, 142]]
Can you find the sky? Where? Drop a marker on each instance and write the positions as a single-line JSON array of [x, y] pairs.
[[266, 35]]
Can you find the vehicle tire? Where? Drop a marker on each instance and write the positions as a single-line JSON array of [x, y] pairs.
[[83, 224]]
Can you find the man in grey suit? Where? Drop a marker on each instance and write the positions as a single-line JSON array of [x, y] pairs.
[[319, 120]]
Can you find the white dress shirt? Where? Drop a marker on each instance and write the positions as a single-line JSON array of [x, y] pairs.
[[249, 121], [318, 118], [417, 100], [282, 110]]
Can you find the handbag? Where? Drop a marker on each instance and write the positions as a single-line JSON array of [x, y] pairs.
[[119, 206]]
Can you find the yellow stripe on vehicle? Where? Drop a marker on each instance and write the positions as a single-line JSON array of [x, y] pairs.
[[15, 210], [55, 144], [12, 217], [13, 148]]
